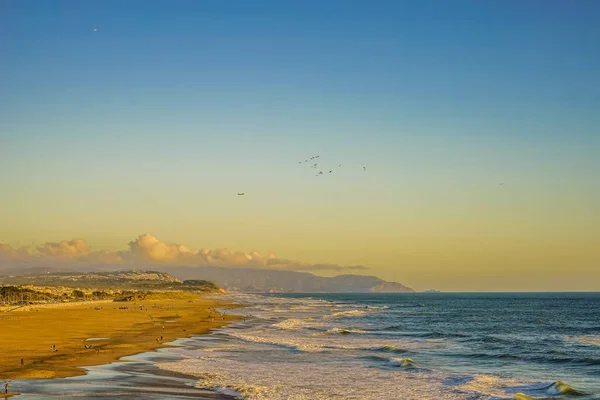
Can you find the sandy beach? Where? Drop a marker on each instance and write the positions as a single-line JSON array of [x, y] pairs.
[[53, 341]]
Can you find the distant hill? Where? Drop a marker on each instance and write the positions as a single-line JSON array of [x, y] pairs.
[[263, 280], [132, 280], [166, 277]]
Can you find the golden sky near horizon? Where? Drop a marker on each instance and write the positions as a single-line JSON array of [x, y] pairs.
[[456, 245]]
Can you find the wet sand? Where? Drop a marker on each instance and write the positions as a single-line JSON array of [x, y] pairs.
[[135, 378], [52, 342]]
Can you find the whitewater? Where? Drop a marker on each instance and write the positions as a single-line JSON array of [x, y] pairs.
[[401, 346]]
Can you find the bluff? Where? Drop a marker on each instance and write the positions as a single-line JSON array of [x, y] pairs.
[[263, 280], [169, 277]]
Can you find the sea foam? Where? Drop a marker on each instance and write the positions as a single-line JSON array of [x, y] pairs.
[[298, 348], [303, 381]]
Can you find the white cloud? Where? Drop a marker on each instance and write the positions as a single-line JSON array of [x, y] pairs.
[[149, 249], [74, 248], [7, 250]]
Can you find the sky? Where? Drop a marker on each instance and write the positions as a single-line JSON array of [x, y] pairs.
[[477, 122]]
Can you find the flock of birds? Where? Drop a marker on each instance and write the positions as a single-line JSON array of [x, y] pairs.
[[316, 165], [311, 159]]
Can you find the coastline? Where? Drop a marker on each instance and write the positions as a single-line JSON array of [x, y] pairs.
[[130, 377], [48, 342], [313, 346], [313, 336]]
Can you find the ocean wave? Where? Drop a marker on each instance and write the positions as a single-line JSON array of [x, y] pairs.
[[380, 339], [545, 358], [522, 396], [436, 335], [584, 339], [387, 349], [341, 331], [394, 327], [269, 308], [535, 391], [294, 323], [489, 339], [350, 313], [491, 356], [329, 342], [307, 380], [563, 360], [401, 362], [590, 329], [490, 386], [311, 324], [292, 343], [561, 388]]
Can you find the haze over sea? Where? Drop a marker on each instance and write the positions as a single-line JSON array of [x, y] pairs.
[[408, 346]]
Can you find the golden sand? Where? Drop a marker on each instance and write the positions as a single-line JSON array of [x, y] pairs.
[[30, 334]]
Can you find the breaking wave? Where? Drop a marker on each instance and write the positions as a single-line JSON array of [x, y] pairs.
[[299, 348]]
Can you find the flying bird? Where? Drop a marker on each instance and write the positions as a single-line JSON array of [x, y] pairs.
[[240, 194], [365, 168], [95, 30]]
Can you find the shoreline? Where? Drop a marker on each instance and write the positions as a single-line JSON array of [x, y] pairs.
[[49, 342], [131, 377]]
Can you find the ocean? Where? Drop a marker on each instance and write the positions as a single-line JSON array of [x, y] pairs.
[[403, 346], [368, 346]]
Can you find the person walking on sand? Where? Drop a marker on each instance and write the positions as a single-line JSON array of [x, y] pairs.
[[6, 385]]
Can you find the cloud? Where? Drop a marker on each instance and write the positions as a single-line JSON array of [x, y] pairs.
[[7, 250], [335, 267], [281, 263], [74, 248], [147, 249]]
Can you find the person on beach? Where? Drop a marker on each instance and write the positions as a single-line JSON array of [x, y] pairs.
[[6, 385]]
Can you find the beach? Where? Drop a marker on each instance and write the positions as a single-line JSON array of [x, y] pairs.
[[313, 346], [55, 340]]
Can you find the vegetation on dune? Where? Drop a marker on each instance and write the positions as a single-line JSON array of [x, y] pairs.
[[100, 280], [200, 285], [139, 296], [118, 286]]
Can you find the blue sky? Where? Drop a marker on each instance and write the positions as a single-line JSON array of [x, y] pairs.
[[154, 119]]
